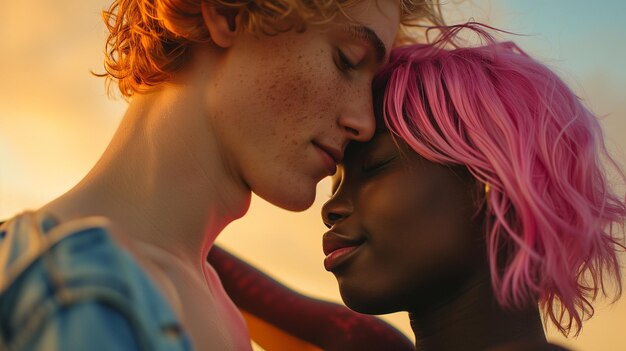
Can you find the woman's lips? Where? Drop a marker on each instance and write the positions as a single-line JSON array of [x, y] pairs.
[[338, 248], [338, 257]]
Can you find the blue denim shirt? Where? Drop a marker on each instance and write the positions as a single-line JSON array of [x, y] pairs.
[[70, 287]]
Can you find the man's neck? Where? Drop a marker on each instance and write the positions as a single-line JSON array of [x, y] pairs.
[[163, 180]]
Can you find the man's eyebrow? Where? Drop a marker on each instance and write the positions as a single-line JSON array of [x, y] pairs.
[[367, 34]]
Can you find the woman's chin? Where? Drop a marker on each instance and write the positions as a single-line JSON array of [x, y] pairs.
[[366, 304]]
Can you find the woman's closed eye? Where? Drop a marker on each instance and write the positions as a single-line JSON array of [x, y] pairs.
[[373, 166]]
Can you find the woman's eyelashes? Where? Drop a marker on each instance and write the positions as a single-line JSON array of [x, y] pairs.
[[371, 167]]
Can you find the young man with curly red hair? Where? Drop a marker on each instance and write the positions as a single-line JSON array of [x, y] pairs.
[[225, 99]]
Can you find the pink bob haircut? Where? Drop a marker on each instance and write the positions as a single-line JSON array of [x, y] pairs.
[[551, 218]]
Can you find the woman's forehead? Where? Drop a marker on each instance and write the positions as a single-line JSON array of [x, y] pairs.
[[357, 152]]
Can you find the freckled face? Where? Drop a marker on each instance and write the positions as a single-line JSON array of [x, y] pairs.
[[289, 101], [420, 244]]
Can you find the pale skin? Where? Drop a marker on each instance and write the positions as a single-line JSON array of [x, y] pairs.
[[188, 154]]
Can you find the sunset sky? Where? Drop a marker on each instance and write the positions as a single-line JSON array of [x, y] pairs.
[[55, 121]]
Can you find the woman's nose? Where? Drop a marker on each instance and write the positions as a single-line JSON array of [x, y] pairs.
[[335, 210]]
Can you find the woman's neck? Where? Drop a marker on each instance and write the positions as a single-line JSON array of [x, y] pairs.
[[163, 179], [474, 320]]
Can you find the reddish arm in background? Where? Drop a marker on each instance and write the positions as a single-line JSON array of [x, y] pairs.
[[326, 325]]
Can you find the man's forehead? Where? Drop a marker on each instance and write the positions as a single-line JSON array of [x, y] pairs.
[[381, 16]]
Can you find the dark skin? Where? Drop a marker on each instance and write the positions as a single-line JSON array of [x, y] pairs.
[[418, 229]]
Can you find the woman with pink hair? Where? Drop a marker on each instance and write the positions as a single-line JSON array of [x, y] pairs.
[[482, 202]]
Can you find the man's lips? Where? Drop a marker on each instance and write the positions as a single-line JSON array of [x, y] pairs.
[[330, 156], [338, 248]]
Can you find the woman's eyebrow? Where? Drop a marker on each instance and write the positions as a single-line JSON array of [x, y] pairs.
[[368, 35], [336, 181]]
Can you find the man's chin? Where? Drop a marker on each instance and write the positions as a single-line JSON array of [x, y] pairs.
[[292, 201]]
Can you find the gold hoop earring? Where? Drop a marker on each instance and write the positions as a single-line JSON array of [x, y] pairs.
[[487, 190]]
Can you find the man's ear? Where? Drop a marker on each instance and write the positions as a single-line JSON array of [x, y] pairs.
[[222, 23]]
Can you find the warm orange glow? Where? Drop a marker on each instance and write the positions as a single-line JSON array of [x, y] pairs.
[[272, 338], [56, 120]]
